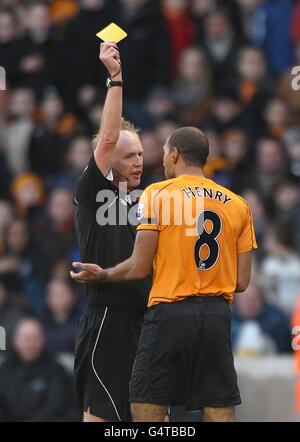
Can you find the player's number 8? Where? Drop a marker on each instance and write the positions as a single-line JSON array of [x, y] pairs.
[[208, 238]]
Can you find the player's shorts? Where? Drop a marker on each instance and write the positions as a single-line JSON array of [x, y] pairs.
[[184, 357], [106, 344]]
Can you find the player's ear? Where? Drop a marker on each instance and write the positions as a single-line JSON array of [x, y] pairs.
[[175, 155]]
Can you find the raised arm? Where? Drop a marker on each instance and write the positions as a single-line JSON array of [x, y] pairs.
[[112, 112]]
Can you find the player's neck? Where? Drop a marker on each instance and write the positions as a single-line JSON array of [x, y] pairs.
[[189, 170]]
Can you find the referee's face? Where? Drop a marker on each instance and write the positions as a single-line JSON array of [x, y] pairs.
[[127, 163]]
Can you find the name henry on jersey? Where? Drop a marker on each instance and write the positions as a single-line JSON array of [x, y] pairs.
[[203, 192]]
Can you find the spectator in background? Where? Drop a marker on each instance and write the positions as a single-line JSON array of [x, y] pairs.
[[33, 386], [260, 217], [11, 2], [235, 168], [93, 116], [56, 229], [29, 195], [277, 118], [267, 24], [227, 113], [165, 127], [10, 314], [253, 86], [4, 103], [200, 8], [253, 19], [192, 88], [296, 22], [277, 40], [61, 12], [77, 159], [159, 105], [86, 96], [61, 271], [49, 141], [181, 28], [79, 48], [291, 141], [21, 265], [60, 316], [6, 218], [5, 175], [258, 327], [37, 50], [280, 267], [221, 44], [8, 36], [153, 159], [148, 42], [287, 201], [271, 166], [216, 161], [19, 7], [287, 208], [19, 128]]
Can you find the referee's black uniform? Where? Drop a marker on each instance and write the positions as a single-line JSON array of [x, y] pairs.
[[108, 332]]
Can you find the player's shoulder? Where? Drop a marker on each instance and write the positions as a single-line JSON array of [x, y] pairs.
[[240, 201], [160, 185]]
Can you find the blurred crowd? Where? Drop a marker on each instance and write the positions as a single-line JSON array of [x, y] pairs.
[[221, 65]]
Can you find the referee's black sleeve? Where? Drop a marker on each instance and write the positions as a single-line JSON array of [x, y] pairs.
[[89, 184]]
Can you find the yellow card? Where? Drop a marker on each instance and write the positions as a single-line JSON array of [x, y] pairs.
[[112, 32]]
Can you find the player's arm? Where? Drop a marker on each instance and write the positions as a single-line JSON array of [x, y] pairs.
[[138, 266], [244, 262], [245, 245], [112, 112]]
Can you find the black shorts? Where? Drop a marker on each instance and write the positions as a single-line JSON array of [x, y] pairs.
[[106, 344], [184, 355]]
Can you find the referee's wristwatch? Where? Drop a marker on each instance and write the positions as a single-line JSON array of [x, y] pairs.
[[112, 83]]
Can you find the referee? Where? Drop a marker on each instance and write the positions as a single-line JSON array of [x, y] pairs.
[[108, 332], [200, 260]]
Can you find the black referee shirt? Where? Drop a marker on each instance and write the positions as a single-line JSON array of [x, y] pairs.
[[107, 245]]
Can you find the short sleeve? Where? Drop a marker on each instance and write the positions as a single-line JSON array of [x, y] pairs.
[[247, 241], [147, 214]]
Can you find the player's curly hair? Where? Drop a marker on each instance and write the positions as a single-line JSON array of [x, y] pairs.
[[125, 125]]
